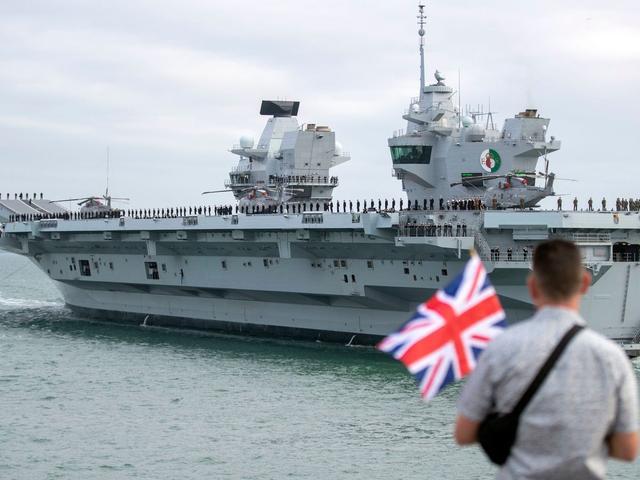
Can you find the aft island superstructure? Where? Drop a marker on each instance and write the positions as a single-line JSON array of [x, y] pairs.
[[289, 260]]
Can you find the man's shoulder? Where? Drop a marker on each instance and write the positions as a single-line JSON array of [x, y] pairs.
[[512, 340], [519, 332], [527, 334], [601, 346]]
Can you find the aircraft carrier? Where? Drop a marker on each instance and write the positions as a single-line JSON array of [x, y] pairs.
[[290, 260]]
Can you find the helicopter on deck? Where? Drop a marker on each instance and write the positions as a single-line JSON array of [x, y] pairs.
[[99, 204], [94, 204], [515, 189], [261, 195]]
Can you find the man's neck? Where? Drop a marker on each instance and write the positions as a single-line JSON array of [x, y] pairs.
[[571, 304]]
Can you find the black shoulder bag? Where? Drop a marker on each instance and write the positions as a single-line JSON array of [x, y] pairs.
[[497, 432]]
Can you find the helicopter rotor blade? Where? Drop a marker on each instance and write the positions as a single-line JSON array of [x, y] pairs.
[[546, 165], [216, 191], [542, 175], [468, 180], [72, 199]]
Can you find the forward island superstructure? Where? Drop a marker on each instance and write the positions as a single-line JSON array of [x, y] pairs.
[[290, 164], [289, 260]]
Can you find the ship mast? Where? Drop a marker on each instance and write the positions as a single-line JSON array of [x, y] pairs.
[[421, 21]]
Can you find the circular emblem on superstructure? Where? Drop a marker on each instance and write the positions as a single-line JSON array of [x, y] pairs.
[[490, 160]]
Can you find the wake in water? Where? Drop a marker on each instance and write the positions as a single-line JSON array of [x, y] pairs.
[[27, 303]]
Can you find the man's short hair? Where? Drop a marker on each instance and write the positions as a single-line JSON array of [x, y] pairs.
[[557, 267]]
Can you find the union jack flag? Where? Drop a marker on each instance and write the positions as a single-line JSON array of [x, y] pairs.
[[441, 343]]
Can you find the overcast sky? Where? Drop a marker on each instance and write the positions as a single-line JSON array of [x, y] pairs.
[[170, 86]]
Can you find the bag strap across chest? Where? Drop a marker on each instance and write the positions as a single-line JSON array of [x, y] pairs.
[[544, 370]]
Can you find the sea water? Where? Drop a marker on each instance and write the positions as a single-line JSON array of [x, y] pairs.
[[85, 399]]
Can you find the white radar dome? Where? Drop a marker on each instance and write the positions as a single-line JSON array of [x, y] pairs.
[[338, 148], [475, 133], [246, 141], [415, 108], [467, 121]]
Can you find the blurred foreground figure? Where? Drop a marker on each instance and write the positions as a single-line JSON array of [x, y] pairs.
[[583, 411]]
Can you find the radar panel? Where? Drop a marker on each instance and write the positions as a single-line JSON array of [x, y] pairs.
[[279, 108]]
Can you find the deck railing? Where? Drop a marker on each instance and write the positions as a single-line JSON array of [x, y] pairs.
[[435, 231], [626, 257], [505, 256], [584, 237]]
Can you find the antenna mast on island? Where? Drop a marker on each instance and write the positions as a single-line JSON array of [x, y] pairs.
[[421, 21], [107, 190]]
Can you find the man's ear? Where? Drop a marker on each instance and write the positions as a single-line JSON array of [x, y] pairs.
[[586, 281], [533, 287]]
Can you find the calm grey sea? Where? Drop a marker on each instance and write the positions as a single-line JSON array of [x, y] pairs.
[[82, 399]]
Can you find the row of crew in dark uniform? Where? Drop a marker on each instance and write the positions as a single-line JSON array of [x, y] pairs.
[[344, 206], [628, 204], [622, 204], [357, 206], [334, 206], [29, 217], [495, 254], [21, 196], [115, 213], [295, 179], [433, 230]]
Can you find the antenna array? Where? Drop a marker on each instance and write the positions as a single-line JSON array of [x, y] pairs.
[[422, 18]]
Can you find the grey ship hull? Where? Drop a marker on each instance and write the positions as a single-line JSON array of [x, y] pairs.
[[333, 277]]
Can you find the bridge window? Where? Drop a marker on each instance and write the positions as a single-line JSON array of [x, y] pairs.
[[412, 154]]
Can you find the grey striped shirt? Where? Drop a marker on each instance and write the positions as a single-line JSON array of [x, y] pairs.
[[590, 393]]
